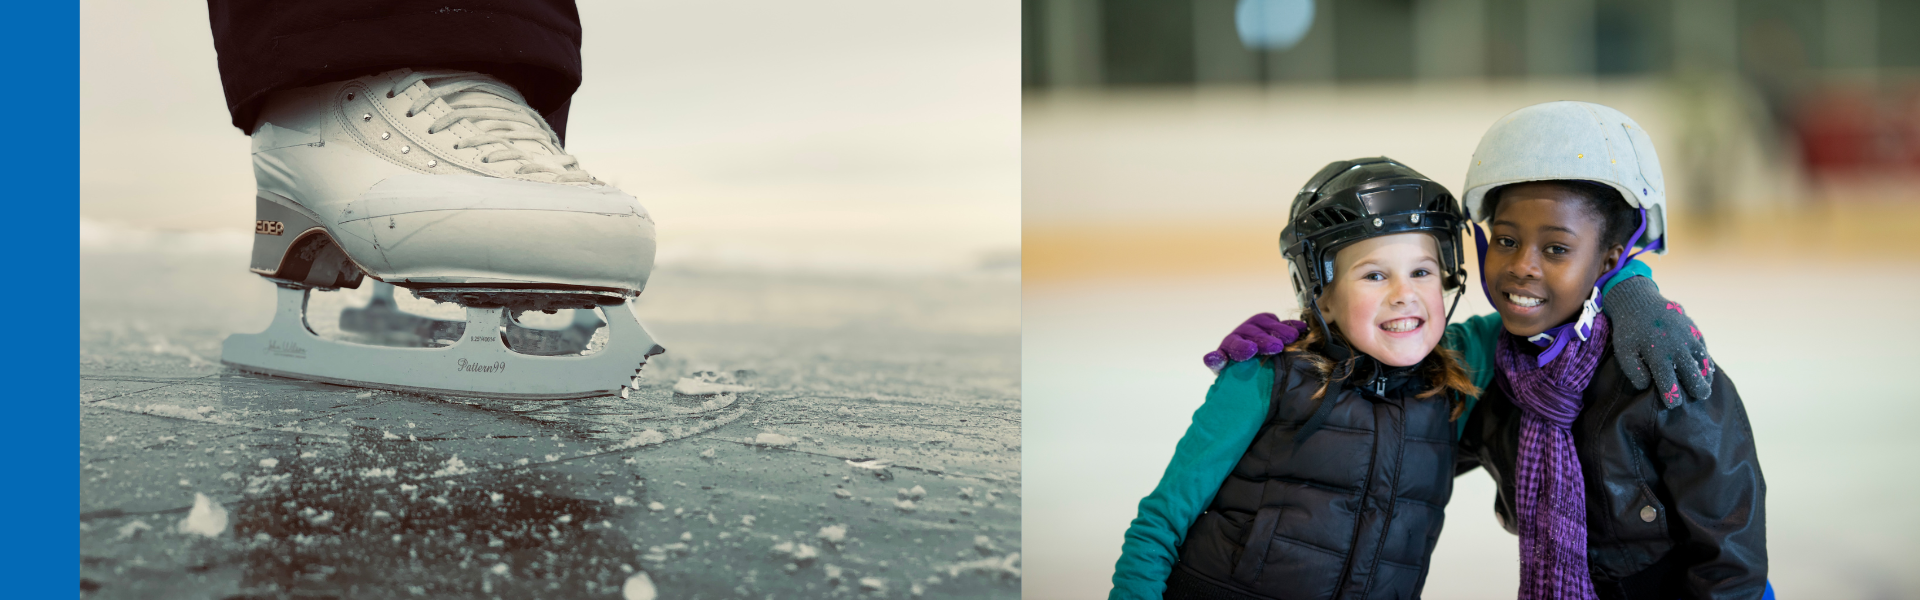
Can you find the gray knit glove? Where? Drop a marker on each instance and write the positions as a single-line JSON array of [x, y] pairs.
[[1652, 335]]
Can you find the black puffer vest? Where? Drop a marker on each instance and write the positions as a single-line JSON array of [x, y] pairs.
[[1351, 511]]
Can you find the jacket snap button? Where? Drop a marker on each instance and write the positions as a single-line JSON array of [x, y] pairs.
[[1647, 513]]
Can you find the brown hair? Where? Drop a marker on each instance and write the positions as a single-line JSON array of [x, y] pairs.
[[1441, 368]]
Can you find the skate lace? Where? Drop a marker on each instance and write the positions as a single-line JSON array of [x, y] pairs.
[[501, 116]]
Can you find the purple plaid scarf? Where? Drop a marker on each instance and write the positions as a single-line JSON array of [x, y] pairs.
[[1552, 502]]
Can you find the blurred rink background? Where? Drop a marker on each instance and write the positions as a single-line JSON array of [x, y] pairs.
[[1160, 152]]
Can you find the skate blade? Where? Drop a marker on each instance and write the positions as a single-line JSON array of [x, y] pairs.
[[383, 323], [479, 363]]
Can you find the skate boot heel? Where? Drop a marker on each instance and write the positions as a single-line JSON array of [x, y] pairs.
[[289, 245]]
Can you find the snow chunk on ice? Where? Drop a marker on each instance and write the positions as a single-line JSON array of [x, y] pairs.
[[842, 493], [801, 553], [207, 518], [913, 494], [499, 568], [268, 463], [453, 466], [1008, 566], [693, 387], [773, 439], [133, 529], [904, 505], [622, 501], [871, 464], [833, 534], [873, 584], [639, 587], [656, 506], [644, 438]]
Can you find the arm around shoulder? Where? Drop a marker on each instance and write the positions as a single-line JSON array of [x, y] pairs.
[[1222, 429]]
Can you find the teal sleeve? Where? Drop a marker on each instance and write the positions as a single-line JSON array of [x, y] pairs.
[[1634, 268], [1222, 429], [1473, 339]]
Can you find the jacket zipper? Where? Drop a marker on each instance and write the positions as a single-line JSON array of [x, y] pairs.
[[1366, 495]]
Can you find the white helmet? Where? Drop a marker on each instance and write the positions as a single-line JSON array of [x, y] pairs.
[[1572, 140]]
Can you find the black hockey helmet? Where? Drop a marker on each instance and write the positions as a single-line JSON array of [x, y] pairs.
[[1352, 200]]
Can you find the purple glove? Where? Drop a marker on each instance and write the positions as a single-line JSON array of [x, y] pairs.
[[1262, 335]]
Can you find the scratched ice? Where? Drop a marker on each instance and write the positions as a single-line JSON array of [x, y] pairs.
[[341, 492]]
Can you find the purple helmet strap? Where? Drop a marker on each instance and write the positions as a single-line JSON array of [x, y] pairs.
[[1480, 245], [1555, 339], [1604, 278]]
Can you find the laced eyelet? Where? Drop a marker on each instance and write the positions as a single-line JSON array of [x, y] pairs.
[[406, 149], [366, 117], [433, 163], [389, 93], [409, 114], [385, 135], [349, 95]]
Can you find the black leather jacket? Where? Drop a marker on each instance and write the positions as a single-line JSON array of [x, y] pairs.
[[1352, 511], [1676, 506]]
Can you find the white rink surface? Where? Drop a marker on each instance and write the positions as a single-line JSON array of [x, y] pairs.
[[1112, 376]]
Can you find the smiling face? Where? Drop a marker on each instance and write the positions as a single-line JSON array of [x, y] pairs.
[[1545, 252], [1386, 297]]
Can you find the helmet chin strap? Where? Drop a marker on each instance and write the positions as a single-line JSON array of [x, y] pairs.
[[1555, 339], [1457, 295]]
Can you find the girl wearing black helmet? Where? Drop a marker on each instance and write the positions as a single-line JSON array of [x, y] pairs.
[[1324, 470]]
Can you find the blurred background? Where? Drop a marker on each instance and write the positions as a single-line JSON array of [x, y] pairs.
[[1164, 138]]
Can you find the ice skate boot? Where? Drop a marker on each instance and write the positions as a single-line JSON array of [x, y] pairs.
[[447, 184]]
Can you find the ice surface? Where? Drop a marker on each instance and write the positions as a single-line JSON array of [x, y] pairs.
[[475, 483]]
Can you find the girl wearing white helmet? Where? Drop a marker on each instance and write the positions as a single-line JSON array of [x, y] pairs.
[[1614, 492]]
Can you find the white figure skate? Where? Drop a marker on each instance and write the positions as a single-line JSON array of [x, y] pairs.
[[447, 184]]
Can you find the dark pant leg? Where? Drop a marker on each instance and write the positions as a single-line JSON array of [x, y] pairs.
[[271, 45]]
